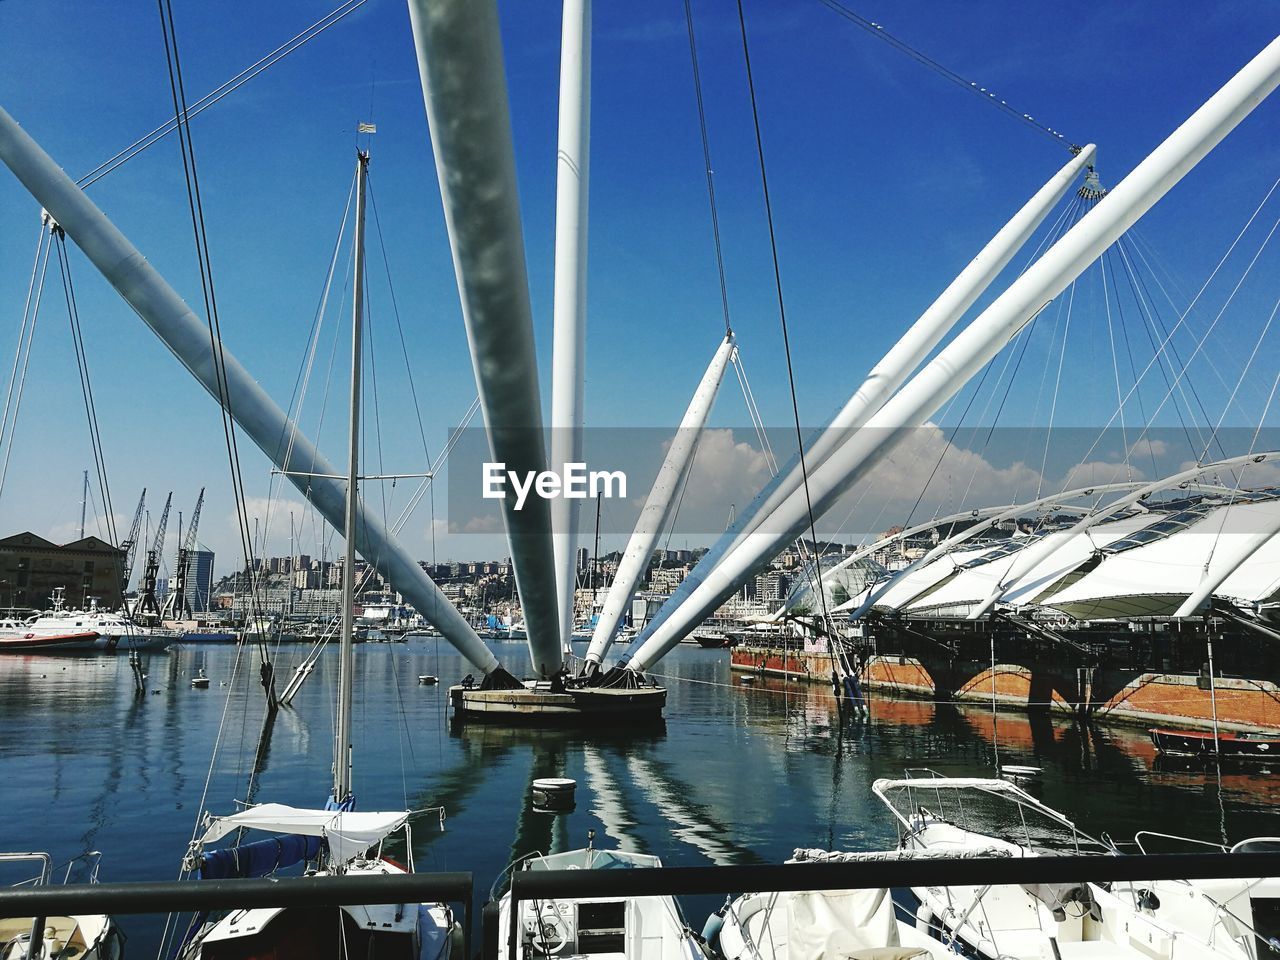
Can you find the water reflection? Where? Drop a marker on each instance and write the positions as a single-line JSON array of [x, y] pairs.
[[738, 774]]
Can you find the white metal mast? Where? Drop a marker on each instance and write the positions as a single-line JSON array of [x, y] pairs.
[[160, 307], [980, 341], [570, 307], [342, 733], [893, 369], [653, 517], [465, 92]]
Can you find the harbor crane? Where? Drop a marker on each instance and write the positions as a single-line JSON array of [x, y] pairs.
[[147, 589], [178, 597], [130, 544]]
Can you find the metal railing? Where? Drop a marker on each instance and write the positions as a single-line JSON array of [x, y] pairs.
[[174, 897], [854, 875], [526, 885]]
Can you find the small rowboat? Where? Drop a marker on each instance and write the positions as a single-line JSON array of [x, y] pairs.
[[1230, 744]]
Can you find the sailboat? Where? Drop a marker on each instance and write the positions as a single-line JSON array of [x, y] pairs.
[[332, 840]]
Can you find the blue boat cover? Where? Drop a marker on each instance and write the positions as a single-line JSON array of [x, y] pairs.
[[259, 858]]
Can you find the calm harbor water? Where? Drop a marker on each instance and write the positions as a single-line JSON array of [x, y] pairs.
[[737, 775]]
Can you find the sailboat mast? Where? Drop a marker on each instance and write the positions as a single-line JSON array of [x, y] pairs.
[[84, 500], [342, 738]]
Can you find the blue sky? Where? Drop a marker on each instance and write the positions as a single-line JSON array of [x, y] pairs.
[[885, 180]]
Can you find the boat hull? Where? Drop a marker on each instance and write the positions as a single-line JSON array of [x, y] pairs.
[[35, 643], [540, 706], [1193, 743]]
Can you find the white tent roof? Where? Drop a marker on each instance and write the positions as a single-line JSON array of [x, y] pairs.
[[974, 585], [349, 833], [1154, 579], [912, 584]]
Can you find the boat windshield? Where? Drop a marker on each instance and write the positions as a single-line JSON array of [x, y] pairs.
[[590, 859], [985, 807]]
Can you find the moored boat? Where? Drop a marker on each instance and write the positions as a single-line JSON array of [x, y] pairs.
[[1228, 744], [82, 936]]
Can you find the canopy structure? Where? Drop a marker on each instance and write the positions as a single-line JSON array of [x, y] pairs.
[[348, 833], [1152, 578], [1141, 560]]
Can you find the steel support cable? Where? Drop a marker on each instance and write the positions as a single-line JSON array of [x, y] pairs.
[[1213, 549], [86, 386], [782, 310], [1069, 216], [395, 309], [195, 205], [1149, 262], [1181, 321], [1115, 365], [1057, 387], [1146, 312], [986, 95], [1200, 343], [209, 99], [1108, 263], [22, 331], [706, 162], [1182, 317], [18, 376], [1253, 355], [302, 381], [1074, 211], [753, 411], [1195, 394]]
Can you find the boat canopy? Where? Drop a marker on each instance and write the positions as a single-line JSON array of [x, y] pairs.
[[348, 833]]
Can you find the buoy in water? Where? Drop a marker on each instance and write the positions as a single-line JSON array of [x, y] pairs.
[[427, 679], [553, 794]]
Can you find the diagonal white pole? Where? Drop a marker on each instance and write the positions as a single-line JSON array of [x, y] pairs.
[[570, 297], [653, 516], [464, 88], [982, 340], [255, 413], [893, 369]]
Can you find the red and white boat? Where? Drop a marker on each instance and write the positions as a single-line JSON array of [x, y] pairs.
[[61, 629]]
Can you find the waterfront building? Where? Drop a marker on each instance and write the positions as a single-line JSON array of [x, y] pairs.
[[31, 567]]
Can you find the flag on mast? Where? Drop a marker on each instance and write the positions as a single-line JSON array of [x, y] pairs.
[[366, 128]]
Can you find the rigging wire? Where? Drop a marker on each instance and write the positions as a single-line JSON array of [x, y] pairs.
[[706, 162], [876, 30], [22, 356], [209, 99], [782, 310], [86, 387]]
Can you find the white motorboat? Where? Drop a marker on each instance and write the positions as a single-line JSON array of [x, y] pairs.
[[61, 629], [81, 936], [612, 927], [1158, 920]]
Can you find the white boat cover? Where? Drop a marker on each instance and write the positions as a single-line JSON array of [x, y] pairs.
[[1154, 579], [349, 833], [839, 923]]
